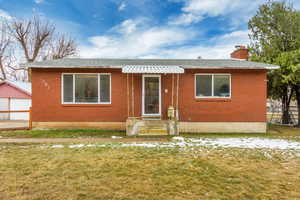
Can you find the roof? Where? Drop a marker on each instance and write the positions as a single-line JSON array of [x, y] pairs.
[[24, 86], [120, 63], [157, 69]]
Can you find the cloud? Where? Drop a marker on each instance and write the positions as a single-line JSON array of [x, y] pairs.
[[135, 42], [39, 1], [129, 26], [219, 47], [122, 6], [4, 15], [185, 19], [194, 11], [130, 40]]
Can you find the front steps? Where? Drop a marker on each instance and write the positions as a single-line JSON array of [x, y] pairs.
[[137, 126]]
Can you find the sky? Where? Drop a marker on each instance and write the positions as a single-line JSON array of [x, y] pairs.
[[145, 28]]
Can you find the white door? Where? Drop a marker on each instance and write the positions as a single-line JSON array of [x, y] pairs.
[[151, 100], [20, 104], [4, 107]]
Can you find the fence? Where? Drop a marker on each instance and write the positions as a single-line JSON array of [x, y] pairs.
[[21, 111]]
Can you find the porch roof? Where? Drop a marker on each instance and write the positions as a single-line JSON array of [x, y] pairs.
[[153, 69]]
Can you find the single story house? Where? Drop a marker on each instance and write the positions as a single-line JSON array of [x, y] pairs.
[[15, 95], [151, 95]]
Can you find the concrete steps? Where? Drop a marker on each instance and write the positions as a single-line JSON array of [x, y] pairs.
[[151, 127], [154, 127]]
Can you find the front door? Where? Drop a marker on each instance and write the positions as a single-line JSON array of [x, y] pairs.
[[151, 95]]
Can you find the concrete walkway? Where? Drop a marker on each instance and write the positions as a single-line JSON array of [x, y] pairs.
[[13, 124], [79, 140]]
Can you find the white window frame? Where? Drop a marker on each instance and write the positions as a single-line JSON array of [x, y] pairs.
[[98, 91], [213, 77]]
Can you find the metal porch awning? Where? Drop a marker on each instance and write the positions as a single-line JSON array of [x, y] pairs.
[[153, 69]]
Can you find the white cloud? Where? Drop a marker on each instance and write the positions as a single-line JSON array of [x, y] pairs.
[[196, 10], [220, 47], [160, 42], [39, 1], [129, 26], [122, 6], [135, 42], [4, 15], [185, 19]]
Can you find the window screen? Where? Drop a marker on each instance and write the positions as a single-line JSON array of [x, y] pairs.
[[86, 88], [104, 88], [221, 86], [68, 88], [204, 85], [212, 85]]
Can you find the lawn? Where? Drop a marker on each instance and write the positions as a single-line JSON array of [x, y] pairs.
[[41, 172], [273, 131]]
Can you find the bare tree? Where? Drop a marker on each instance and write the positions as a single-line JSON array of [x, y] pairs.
[[6, 54], [61, 47], [37, 40], [32, 35]]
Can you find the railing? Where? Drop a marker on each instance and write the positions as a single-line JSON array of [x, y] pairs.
[[20, 111]]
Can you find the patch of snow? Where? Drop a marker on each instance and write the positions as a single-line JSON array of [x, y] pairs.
[[246, 143], [250, 143], [57, 146], [76, 145], [116, 137], [178, 138]]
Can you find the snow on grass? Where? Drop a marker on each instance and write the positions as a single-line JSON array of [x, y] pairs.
[[248, 143], [116, 137]]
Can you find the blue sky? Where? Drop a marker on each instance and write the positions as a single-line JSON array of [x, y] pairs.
[[146, 28]]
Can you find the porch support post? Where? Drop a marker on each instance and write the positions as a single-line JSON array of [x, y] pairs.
[[172, 102], [128, 95], [177, 96], [132, 94]]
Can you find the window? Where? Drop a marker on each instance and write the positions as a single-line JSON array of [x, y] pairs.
[[86, 88], [213, 85]]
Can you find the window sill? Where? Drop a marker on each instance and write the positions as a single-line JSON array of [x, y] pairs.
[[86, 105], [214, 99]]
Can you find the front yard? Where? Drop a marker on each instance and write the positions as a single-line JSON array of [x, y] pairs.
[[42, 172], [193, 166], [273, 131]]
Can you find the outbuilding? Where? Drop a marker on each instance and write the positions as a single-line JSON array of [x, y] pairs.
[[15, 95]]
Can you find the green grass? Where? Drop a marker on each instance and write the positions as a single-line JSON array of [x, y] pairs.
[[32, 172], [273, 131], [60, 133]]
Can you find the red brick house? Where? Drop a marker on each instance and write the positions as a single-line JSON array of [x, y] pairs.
[[216, 95]]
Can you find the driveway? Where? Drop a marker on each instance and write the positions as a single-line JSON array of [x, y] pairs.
[[13, 124]]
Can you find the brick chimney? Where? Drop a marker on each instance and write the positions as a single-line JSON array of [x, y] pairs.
[[240, 52]]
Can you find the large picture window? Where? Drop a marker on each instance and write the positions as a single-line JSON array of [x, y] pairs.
[[213, 85], [86, 88]]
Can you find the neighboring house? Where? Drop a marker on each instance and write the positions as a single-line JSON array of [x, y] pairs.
[[209, 95], [15, 95]]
